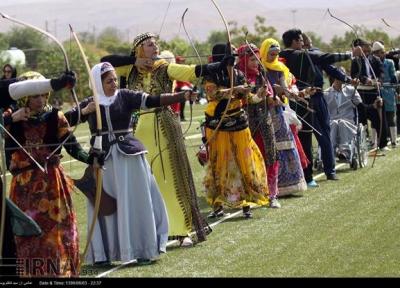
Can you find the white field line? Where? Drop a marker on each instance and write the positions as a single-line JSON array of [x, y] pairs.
[[194, 136], [169, 244]]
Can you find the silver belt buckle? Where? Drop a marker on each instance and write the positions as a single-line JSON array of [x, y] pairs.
[[121, 138]]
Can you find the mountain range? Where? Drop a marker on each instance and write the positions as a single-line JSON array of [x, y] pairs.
[[164, 16]]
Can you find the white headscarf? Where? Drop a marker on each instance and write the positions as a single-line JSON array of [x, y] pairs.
[[97, 71]]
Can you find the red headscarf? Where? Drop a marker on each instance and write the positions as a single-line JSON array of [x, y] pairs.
[[245, 53]]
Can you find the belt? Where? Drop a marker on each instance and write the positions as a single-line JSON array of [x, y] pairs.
[[366, 87], [120, 138], [53, 161], [114, 132]]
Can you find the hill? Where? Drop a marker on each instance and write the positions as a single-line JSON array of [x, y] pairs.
[[133, 17]]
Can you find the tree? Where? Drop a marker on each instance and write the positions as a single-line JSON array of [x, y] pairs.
[[110, 39], [26, 39], [261, 32], [3, 42]]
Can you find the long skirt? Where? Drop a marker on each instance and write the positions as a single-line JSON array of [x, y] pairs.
[[139, 227], [236, 174], [291, 176], [161, 134], [46, 198]]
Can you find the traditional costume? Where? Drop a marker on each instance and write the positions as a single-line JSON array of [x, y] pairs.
[[260, 121], [139, 227], [45, 197], [291, 177], [161, 133], [235, 174]]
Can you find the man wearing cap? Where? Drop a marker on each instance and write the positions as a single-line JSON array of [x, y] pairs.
[[388, 92], [369, 69]]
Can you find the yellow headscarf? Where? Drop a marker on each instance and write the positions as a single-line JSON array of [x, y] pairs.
[[275, 65]]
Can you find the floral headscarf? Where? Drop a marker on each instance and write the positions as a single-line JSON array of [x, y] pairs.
[[245, 53], [267, 46]]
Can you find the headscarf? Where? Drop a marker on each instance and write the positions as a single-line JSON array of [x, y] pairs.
[[140, 38], [267, 46], [97, 71], [245, 53], [138, 51], [13, 73]]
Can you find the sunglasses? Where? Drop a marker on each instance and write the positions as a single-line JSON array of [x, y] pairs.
[[7, 71]]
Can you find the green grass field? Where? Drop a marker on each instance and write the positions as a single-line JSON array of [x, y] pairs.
[[346, 228]]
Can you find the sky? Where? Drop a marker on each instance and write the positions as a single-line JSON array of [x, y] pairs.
[[135, 16], [284, 4]]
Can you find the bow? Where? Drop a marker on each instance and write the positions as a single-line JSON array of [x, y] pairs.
[[376, 83], [230, 74], [67, 69], [201, 68], [4, 187], [387, 24], [96, 146]]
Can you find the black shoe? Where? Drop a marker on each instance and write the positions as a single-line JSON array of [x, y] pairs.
[[332, 177], [247, 215], [102, 263], [246, 212], [216, 213], [143, 262]]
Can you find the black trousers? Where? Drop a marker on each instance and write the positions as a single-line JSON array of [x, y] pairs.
[[369, 97]]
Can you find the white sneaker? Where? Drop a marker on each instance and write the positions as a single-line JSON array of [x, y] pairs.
[[187, 242], [274, 203], [386, 148]]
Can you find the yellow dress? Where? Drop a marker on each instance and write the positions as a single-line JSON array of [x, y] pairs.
[[161, 134], [236, 174]]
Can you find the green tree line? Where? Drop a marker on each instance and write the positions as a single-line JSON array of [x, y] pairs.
[[44, 56]]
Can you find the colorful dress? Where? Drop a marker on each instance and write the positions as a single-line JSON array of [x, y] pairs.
[[235, 174], [291, 176], [45, 197]]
